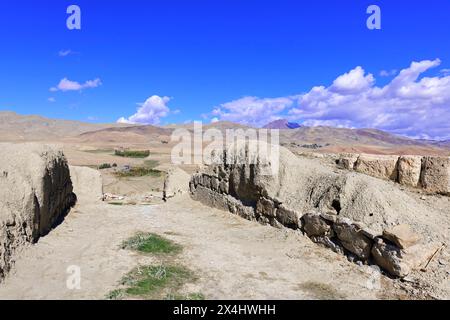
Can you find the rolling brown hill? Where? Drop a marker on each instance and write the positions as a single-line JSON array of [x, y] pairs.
[[131, 134], [15, 127], [335, 140]]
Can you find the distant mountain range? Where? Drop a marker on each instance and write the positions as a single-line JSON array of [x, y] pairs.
[[442, 143], [14, 127], [282, 124]]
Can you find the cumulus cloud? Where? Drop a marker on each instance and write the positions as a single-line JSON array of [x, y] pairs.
[[149, 112], [407, 105], [354, 81], [252, 110], [411, 104], [51, 99], [68, 85]]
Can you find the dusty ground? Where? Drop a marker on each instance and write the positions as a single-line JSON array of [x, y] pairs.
[[234, 258]]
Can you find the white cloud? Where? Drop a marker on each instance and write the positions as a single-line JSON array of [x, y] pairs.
[[214, 120], [445, 72], [51, 99], [68, 85], [65, 53], [353, 82], [252, 110], [410, 105], [149, 112]]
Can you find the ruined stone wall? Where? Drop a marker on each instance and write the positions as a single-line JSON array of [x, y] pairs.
[[87, 184], [429, 173], [348, 212], [35, 191]]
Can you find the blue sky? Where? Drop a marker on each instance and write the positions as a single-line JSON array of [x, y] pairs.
[[248, 61]]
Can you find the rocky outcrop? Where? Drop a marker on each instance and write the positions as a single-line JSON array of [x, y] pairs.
[[435, 176], [400, 262], [352, 238], [402, 236], [345, 211], [35, 192]]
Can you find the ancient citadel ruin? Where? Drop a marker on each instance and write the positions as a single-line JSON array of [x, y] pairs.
[[367, 218]]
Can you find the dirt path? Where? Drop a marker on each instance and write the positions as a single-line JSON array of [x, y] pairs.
[[234, 258]]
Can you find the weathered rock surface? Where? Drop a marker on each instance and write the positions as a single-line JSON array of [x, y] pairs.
[[402, 235], [87, 183], [409, 168], [288, 218], [315, 226], [352, 238], [176, 183], [347, 161], [379, 166], [35, 191], [400, 262], [430, 173], [435, 176]]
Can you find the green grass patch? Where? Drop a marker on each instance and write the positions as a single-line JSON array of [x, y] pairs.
[[104, 166], [139, 172], [151, 243], [161, 281], [132, 153], [153, 282], [116, 294]]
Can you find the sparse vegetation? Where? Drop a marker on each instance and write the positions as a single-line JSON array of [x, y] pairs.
[[156, 281], [139, 172], [116, 294], [151, 243], [104, 166], [132, 153]]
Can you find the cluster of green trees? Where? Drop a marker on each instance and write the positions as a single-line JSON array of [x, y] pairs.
[[132, 153]]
